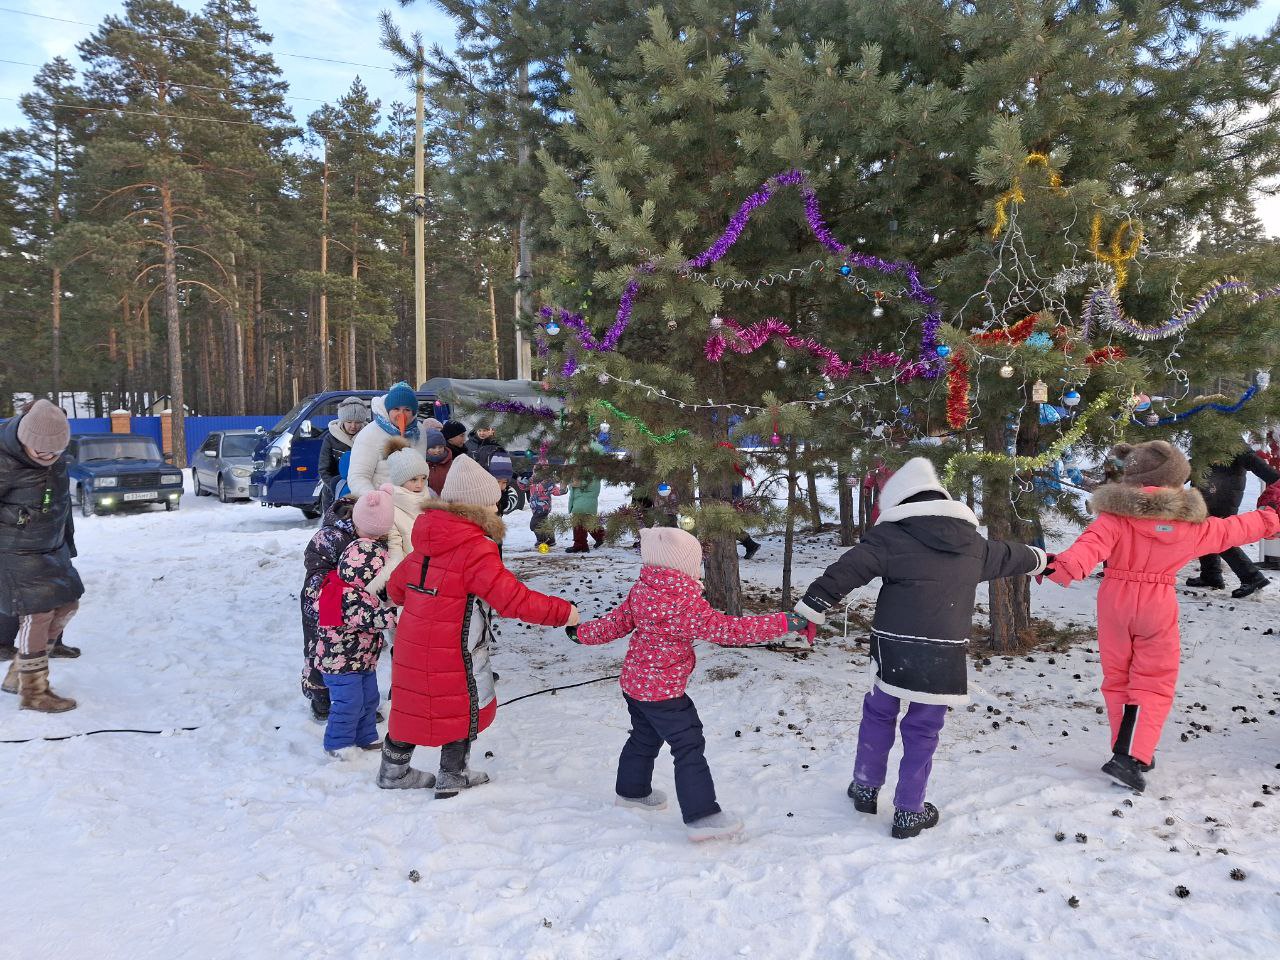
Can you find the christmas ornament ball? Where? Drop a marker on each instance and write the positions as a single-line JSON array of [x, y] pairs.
[[1142, 402], [664, 489], [716, 323], [782, 363], [544, 548], [845, 269], [775, 439], [1071, 398], [877, 311], [686, 522], [944, 351], [553, 328], [671, 324], [1006, 371]]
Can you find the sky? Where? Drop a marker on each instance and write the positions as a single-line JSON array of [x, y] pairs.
[[333, 29]]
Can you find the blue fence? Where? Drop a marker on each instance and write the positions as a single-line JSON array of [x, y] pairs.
[[197, 428]]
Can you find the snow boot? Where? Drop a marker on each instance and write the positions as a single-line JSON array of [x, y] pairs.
[[597, 537], [370, 747], [33, 687], [752, 548], [1250, 588], [656, 800], [1126, 770], [59, 650], [863, 797], [579, 541], [10, 684], [395, 772], [7, 651], [909, 823], [342, 753], [714, 827], [455, 776], [1206, 583]]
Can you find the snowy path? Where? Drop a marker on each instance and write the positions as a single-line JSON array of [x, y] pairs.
[[241, 840]]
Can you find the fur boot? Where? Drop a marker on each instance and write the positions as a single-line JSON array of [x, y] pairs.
[[33, 686], [10, 684]]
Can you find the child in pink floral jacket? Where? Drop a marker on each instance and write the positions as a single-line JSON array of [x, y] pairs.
[[667, 613], [349, 639]]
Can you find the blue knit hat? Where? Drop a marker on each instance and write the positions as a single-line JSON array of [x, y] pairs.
[[500, 467], [401, 395]]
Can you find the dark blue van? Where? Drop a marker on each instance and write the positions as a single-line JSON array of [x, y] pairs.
[[286, 461]]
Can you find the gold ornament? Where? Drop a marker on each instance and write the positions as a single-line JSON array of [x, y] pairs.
[[1006, 371], [544, 548], [685, 521]]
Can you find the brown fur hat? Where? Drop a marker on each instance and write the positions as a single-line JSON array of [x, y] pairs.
[[1155, 463]]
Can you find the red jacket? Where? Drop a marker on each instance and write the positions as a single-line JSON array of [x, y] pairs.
[[451, 587], [1148, 534], [666, 610]]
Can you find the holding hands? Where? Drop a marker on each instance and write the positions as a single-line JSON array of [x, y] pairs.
[[801, 625]]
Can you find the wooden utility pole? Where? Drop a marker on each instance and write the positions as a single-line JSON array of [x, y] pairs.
[[324, 272], [524, 266], [419, 230]]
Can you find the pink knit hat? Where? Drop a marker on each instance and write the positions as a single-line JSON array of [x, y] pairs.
[[44, 428], [672, 549], [375, 512]]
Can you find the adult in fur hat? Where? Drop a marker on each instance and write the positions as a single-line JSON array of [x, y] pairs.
[[1149, 526], [452, 586]]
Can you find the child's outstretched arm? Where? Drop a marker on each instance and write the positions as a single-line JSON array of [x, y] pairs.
[[612, 626], [855, 568], [1091, 548], [1005, 559], [708, 623], [1218, 534]]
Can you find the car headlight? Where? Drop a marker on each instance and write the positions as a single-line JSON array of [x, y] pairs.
[[278, 452], [171, 478], [104, 482], [242, 472]]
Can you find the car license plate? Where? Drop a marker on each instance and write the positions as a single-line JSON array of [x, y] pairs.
[[144, 495]]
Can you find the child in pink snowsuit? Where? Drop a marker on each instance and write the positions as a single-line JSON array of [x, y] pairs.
[[1149, 526]]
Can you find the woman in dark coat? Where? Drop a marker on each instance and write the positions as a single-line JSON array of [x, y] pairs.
[[38, 583], [1223, 491]]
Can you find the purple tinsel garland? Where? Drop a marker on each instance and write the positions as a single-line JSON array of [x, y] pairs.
[[1104, 308], [929, 365], [515, 406]]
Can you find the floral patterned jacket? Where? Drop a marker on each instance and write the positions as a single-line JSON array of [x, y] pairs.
[[355, 646]]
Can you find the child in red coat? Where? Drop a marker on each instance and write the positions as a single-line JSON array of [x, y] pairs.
[[667, 613], [1149, 526], [452, 587]]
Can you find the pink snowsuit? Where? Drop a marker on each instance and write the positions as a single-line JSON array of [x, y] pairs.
[[1146, 535]]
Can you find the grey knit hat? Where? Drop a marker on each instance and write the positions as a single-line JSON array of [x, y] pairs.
[[353, 410], [44, 428], [403, 465], [1155, 463]]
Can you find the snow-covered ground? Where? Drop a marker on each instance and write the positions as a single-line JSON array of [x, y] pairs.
[[240, 839]]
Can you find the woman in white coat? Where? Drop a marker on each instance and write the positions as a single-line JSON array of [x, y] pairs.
[[394, 415]]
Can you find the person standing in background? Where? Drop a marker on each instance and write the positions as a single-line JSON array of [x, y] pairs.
[[1223, 490], [343, 429]]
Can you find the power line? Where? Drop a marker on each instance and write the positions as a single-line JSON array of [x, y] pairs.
[[159, 116], [208, 43]]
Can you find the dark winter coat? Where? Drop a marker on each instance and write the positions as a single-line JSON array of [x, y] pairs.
[[482, 451], [331, 450], [931, 559], [1223, 489], [452, 587], [37, 534]]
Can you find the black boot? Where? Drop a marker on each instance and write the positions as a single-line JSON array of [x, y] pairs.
[[1126, 770], [1202, 581], [1250, 588], [60, 650], [7, 652], [320, 705], [1147, 767], [909, 823], [863, 797], [752, 548]]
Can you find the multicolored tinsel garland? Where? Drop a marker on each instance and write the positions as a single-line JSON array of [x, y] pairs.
[[930, 363], [747, 340], [1119, 255], [640, 425], [975, 459], [521, 409], [1102, 306], [957, 391], [1201, 408], [1015, 195]]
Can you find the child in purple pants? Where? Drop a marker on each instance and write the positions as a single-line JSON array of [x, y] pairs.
[[927, 551]]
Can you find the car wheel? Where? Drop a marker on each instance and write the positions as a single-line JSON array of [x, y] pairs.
[[86, 503], [311, 513], [170, 506], [200, 491], [222, 490]]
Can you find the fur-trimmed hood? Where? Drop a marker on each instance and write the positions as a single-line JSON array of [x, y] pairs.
[[486, 518], [1150, 503]]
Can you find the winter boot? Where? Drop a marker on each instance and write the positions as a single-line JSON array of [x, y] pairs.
[[1147, 767], [1126, 770], [10, 684], [714, 827], [33, 686], [752, 548], [579, 541], [863, 797], [455, 776], [1208, 584], [656, 800], [1250, 588], [7, 651], [370, 747], [319, 704], [598, 537], [395, 772], [61, 651], [909, 823], [342, 753]]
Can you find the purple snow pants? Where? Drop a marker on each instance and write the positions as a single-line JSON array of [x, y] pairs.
[[920, 727]]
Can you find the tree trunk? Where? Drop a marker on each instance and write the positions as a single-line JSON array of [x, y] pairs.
[[493, 327], [323, 337], [815, 503], [173, 323], [1010, 617], [789, 533], [844, 492], [56, 323], [524, 267], [235, 343]]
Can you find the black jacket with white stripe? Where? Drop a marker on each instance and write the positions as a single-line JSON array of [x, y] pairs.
[[931, 559]]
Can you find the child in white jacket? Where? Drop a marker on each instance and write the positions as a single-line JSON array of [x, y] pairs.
[[407, 470]]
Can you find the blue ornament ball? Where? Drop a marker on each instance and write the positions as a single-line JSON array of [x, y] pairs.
[[664, 489], [553, 328], [904, 411], [822, 394], [845, 269], [944, 351]]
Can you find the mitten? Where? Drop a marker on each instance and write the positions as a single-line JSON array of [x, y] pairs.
[[572, 634], [1048, 571], [797, 623]]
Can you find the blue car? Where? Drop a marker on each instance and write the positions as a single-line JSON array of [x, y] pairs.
[[286, 463], [117, 471]]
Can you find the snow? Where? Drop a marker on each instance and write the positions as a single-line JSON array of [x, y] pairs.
[[240, 839]]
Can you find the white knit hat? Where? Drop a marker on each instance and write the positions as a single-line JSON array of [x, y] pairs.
[[671, 549], [403, 465], [470, 483], [915, 476]]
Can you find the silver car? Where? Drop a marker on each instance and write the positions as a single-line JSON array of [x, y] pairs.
[[223, 465]]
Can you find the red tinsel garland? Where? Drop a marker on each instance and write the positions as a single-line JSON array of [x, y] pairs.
[[1105, 355], [957, 391], [1014, 334]]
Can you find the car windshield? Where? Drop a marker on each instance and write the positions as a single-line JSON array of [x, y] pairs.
[[118, 448], [283, 423], [239, 445]]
